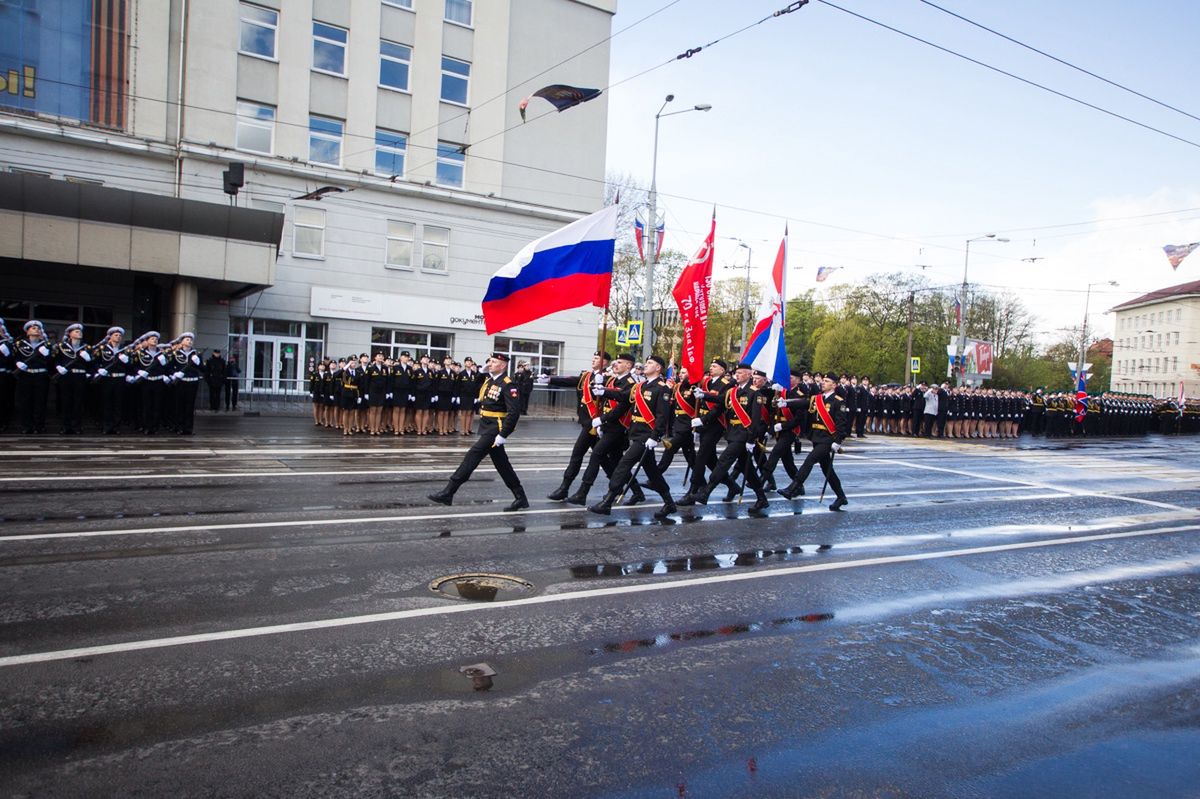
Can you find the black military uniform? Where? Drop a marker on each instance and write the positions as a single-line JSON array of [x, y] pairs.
[[827, 431], [499, 411], [684, 408], [71, 362], [711, 395], [187, 372], [742, 413], [613, 433], [32, 361], [785, 424], [651, 404], [112, 367], [587, 407]]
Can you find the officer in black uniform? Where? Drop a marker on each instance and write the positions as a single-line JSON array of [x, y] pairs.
[[683, 437], [188, 369], [71, 361], [112, 367], [785, 425], [32, 361], [499, 410], [587, 408], [612, 427], [743, 415], [651, 403], [827, 432], [710, 396]]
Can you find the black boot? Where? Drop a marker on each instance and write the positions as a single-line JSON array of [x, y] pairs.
[[667, 509], [636, 496], [760, 504], [734, 491], [793, 490], [604, 506], [839, 503], [519, 500], [580, 496], [560, 493], [688, 499], [769, 484], [446, 495]]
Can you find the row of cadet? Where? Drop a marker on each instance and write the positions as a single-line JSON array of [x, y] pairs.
[[144, 385], [403, 396]]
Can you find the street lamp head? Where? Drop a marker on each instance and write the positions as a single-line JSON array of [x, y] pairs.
[[1002, 240], [743, 244], [703, 107], [1113, 283], [670, 97]]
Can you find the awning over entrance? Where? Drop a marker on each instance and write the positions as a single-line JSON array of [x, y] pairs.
[[42, 219]]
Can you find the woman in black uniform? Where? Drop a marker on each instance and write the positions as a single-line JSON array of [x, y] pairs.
[[375, 394], [446, 389], [422, 378]]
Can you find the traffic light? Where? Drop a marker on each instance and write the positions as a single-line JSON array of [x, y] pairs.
[[235, 177]]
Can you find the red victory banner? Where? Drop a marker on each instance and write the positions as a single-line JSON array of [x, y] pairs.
[[691, 296]]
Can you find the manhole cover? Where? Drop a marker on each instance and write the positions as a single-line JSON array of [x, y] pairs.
[[482, 587]]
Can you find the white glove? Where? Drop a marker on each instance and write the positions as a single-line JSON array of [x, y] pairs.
[[129, 379], [22, 366], [166, 380], [412, 398], [195, 359], [698, 392], [162, 359], [434, 398], [367, 397], [177, 376], [499, 442], [778, 427], [123, 358], [780, 402], [598, 391], [750, 446], [455, 401], [652, 445], [4, 350], [836, 447], [44, 350], [87, 356], [697, 422], [62, 370], [596, 423], [102, 372], [358, 401], [778, 388], [143, 373], [544, 380], [387, 395], [330, 398]]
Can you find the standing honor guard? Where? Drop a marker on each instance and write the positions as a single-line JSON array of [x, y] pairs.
[[829, 424], [112, 367], [499, 411], [7, 381], [186, 370], [71, 361], [651, 421], [32, 361], [587, 408], [150, 377], [743, 418]]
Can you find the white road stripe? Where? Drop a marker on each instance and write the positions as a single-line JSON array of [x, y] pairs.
[[564, 508], [545, 599]]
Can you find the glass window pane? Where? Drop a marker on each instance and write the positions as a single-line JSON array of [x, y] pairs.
[[449, 174], [329, 32], [393, 74], [324, 125], [399, 252], [389, 162], [308, 240], [309, 216], [456, 66], [451, 152], [437, 235], [434, 258], [459, 11], [393, 50], [256, 14], [257, 40], [454, 89], [402, 230], [329, 57]]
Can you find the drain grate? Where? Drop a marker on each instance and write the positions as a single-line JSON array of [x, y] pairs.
[[482, 587]]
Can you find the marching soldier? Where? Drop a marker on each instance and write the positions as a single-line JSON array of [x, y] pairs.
[[785, 423], [612, 429], [587, 411], [499, 411], [829, 424], [32, 361], [710, 423], [71, 359], [743, 419], [651, 417]]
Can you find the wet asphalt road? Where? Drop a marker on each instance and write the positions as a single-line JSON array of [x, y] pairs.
[[248, 612]]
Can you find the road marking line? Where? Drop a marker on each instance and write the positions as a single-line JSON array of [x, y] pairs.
[[446, 610], [192, 528]]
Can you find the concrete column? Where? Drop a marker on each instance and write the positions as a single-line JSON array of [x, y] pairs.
[[185, 302]]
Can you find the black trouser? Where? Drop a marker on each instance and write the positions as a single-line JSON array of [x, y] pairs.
[[706, 455], [636, 452], [214, 396], [680, 440], [112, 399], [736, 459], [927, 424], [489, 428], [151, 392], [605, 453], [231, 391], [782, 451], [941, 424], [860, 422], [71, 389], [822, 455], [32, 391], [1037, 421], [7, 389], [185, 404], [583, 442]]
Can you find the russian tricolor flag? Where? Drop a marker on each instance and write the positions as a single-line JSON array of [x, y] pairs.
[[765, 349], [566, 269]]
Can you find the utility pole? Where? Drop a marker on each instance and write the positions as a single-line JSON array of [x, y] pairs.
[[908, 350]]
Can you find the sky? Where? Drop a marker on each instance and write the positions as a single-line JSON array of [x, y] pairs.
[[881, 153]]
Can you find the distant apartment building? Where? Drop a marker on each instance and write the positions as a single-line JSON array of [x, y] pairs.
[[385, 172], [1156, 344]]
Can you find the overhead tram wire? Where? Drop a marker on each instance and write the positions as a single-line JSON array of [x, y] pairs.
[[1064, 62], [1012, 75]]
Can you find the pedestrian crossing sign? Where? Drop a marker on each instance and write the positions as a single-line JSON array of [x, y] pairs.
[[622, 337], [915, 365], [633, 333]]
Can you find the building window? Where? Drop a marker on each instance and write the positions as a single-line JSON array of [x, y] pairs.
[[435, 248], [1175, 363], [324, 140], [393, 342], [455, 77], [255, 127], [400, 237], [451, 162], [308, 232], [1176, 337], [390, 149], [459, 11], [399, 3], [329, 48], [256, 30], [543, 357], [394, 61]]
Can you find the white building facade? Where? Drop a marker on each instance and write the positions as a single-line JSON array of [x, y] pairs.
[[381, 147], [1156, 343]]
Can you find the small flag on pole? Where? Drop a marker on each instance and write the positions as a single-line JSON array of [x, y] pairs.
[[957, 310], [639, 234], [825, 271], [1177, 252]]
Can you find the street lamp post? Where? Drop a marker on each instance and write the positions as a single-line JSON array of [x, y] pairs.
[[961, 344], [1083, 338], [652, 227], [746, 294]]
